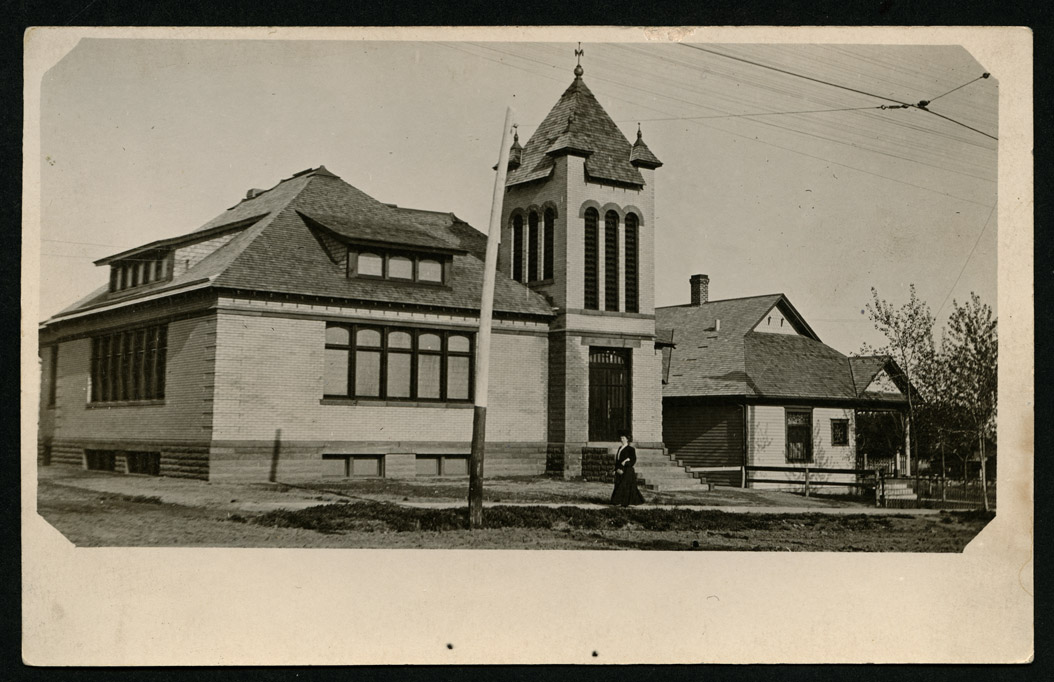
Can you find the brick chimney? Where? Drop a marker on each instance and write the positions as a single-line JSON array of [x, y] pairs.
[[700, 289]]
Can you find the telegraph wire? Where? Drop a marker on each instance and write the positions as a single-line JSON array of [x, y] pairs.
[[760, 113], [921, 105], [727, 132], [967, 261], [983, 75]]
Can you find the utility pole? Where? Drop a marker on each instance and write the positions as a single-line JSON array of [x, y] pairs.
[[479, 412]]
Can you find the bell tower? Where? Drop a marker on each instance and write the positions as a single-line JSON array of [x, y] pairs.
[[578, 227]]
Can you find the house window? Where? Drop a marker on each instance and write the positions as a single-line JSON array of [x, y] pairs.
[[532, 247], [396, 363], [404, 266], [799, 435], [517, 248], [592, 295], [129, 365], [50, 361], [144, 269], [548, 246], [611, 261], [632, 302], [442, 465], [839, 432]]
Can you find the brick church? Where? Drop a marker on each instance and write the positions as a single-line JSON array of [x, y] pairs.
[[311, 330]]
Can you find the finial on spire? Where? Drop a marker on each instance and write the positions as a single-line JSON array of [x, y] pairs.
[[578, 66], [639, 136]]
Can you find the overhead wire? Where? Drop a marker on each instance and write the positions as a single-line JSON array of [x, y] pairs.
[[921, 105], [967, 261], [638, 103]]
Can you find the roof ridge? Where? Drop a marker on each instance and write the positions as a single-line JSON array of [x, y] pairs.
[[719, 300]]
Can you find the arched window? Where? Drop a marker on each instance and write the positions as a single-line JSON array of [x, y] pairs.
[[632, 297], [548, 247], [592, 295], [517, 248], [532, 247], [611, 261]]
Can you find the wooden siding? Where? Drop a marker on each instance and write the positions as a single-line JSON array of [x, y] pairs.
[[703, 435]]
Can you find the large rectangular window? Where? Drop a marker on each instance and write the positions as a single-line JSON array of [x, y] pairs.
[[396, 363], [592, 260], [548, 245], [517, 248], [532, 247], [632, 300], [129, 365], [799, 435], [611, 261]]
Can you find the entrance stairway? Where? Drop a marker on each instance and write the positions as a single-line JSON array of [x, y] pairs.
[[659, 472]]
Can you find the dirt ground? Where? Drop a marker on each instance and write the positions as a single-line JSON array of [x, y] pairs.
[[103, 509]]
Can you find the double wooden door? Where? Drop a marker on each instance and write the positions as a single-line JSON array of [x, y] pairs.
[[609, 393]]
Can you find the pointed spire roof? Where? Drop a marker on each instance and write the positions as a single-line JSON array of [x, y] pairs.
[[641, 156], [577, 125]]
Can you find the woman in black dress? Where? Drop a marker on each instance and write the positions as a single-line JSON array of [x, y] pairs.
[[626, 492]]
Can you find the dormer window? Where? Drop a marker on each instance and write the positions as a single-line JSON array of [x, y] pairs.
[[140, 270], [404, 266]]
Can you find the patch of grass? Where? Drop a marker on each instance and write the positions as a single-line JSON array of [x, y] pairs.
[[142, 499], [388, 517]]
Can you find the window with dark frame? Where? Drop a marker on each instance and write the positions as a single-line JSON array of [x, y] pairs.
[[397, 363], [533, 244], [632, 296], [548, 245], [799, 435], [839, 432], [611, 293], [592, 258], [397, 265], [145, 269], [129, 365], [50, 360], [517, 248]]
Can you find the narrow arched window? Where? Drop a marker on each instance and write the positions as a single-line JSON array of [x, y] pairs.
[[548, 246], [517, 248], [592, 295], [532, 246], [632, 296], [611, 261]]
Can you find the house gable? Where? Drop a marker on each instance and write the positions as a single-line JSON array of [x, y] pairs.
[[882, 383], [778, 320]]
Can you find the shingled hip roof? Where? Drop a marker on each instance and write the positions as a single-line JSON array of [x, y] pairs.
[[578, 125], [279, 251]]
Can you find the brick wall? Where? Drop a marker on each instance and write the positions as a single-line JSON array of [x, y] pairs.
[[270, 419], [179, 426]]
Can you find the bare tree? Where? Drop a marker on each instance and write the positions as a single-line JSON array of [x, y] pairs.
[[969, 352]]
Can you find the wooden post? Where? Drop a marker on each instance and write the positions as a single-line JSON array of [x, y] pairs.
[[479, 413], [878, 482], [743, 476], [806, 480], [984, 476], [944, 487]]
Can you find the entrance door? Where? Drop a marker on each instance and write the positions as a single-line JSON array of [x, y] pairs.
[[609, 393]]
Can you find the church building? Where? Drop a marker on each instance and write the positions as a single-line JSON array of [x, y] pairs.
[[311, 330]]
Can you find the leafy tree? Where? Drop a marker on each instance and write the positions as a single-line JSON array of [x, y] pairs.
[[909, 341]]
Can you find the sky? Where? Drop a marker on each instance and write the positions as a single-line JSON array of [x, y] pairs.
[[148, 139]]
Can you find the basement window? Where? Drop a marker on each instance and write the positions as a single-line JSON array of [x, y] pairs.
[[442, 465], [354, 466]]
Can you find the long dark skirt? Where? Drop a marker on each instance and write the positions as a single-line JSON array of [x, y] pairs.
[[626, 492]]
